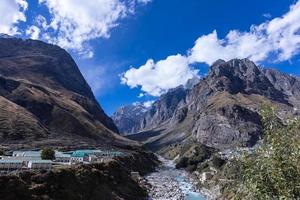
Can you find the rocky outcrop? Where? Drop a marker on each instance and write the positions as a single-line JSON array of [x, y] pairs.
[[222, 109], [45, 100]]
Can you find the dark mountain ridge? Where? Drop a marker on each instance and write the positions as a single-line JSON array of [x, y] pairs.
[[45, 99]]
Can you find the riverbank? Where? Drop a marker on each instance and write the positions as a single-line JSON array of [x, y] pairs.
[[170, 183]]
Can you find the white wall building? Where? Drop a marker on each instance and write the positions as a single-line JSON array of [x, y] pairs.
[[62, 157], [10, 164], [36, 154], [39, 164], [24, 160]]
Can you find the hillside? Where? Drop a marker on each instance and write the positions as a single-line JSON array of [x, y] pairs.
[[44, 100]]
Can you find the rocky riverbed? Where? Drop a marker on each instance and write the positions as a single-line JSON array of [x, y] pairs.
[[172, 184]]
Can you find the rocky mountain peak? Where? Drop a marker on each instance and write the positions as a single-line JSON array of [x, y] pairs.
[[242, 76], [236, 67], [128, 117]]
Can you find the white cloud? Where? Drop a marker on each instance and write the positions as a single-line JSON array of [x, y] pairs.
[[141, 95], [11, 13], [73, 23], [267, 15], [144, 1], [148, 104], [279, 37], [33, 32], [157, 78]]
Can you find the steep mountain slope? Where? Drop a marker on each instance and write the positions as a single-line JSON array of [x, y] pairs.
[[128, 118], [221, 111], [45, 100], [136, 118]]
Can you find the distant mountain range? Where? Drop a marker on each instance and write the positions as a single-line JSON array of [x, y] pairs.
[[220, 111], [44, 99]]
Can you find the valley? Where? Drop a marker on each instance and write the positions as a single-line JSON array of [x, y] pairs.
[[192, 143]]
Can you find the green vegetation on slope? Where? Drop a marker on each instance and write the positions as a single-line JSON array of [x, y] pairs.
[[273, 170]]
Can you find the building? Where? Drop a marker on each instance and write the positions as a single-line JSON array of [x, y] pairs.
[[24, 160], [62, 157], [10, 164], [93, 158], [39, 164], [79, 157], [32, 154]]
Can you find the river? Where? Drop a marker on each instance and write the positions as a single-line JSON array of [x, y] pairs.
[[169, 183]]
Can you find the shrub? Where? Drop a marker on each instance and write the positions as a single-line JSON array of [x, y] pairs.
[[273, 171], [48, 154], [217, 161], [182, 163]]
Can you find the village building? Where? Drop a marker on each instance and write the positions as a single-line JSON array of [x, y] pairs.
[[24, 160], [40, 164], [62, 157], [10, 164], [32, 154], [79, 157]]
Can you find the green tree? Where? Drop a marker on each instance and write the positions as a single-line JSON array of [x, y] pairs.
[[48, 154], [273, 170]]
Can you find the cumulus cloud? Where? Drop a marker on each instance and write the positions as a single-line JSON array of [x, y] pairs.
[[72, 23], [157, 78], [279, 38], [11, 13], [275, 40], [33, 32]]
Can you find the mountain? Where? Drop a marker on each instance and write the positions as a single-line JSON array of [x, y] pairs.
[[127, 118], [221, 110], [44, 99], [135, 118]]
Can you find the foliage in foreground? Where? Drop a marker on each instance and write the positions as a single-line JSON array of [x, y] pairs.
[[273, 170], [48, 154]]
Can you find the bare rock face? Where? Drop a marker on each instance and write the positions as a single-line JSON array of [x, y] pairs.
[[222, 109], [128, 118], [229, 125], [163, 109], [45, 100]]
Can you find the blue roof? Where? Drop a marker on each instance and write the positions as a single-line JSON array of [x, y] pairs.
[[83, 152], [79, 154]]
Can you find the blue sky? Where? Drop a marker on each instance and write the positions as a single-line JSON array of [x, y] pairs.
[[177, 34]]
